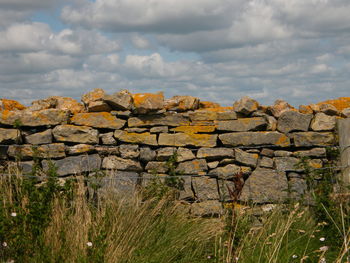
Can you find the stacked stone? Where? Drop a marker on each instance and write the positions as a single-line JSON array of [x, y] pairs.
[[133, 135]]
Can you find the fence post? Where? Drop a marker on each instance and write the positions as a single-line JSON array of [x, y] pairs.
[[344, 143]]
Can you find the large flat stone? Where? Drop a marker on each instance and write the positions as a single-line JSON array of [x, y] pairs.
[[245, 106], [265, 186], [140, 138], [205, 188], [116, 163], [80, 149], [78, 134], [121, 100], [254, 138], [229, 171], [182, 103], [287, 164], [293, 121], [27, 151], [313, 139], [8, 136], [195, 167], [323, 122], [243, 124], [194, 129], [39, 137], [34, 118], [184, 139], [103, 120], [215, 153], [74, 164], [248, 159], [148, 102], [158, 120]]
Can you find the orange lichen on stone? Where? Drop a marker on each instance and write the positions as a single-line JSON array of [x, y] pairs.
[[217, 109], [305, 109], [10, 105], [194, 129], [283, 141], [141, 98], [98, 120], [340, 103], [208, 104]]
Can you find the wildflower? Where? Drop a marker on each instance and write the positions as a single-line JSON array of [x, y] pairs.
[[294, 256], [323, 260], [4, 244], [89, 244], [301, 231], [324, 248], [322, 239], [14, 214], [208, 257]]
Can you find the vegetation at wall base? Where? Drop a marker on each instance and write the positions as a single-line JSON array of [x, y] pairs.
[[49, 221]]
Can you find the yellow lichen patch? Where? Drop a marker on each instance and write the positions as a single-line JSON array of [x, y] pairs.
[[305, 109], [315, 163], [95, 95], [283, 141], [194, 129], [218, 109], [97, 120], [10, 105], [340, 103], [202, 140], [141, 98], [133, 137], [208, 104]]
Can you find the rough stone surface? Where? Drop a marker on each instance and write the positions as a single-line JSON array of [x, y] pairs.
[[229, 171], [213, 164], [121, 100], [266, 162], [345, 113], [243, 124], [195, 167], [281, 153], [205, 188], [184, 154], [107, 150], [75, 164], [267, 152], [323, 122], [248, 159], [313, 139], [128, 151], [57, 102], [328, 109], [107, 138], [146, 154], [287, 164], [157, 167], [80, 149], [182, 103], [24, 167], [78, 134], [210, 208], [140, 138], [245, 106], [8, 136], [215, 153], [158, 120], [254, 138], [93, 101], [160, 129], [184, 139], [194, 129], [148, 102], [137, 130], [297, 188], [315, 152], [293, 121], [117, 163], [265, 185], [27, 151], [10, 105], [164, 154], [279, 107], [213, 114], [43, 137], [98, 120], [34, 118]]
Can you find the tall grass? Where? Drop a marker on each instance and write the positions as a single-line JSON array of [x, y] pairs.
[[47, 220]]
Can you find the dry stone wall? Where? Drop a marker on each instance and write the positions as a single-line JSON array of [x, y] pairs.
[[132, 136]]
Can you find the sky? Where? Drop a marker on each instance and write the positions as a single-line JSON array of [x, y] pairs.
[[217, 50]]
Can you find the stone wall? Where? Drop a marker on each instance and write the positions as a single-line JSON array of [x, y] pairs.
[[132, 136]]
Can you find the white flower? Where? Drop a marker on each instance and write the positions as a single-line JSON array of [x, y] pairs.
[[323, 260], [14, 214], [322, 239], [89, 244], [324, 248], [294, 256], [4, 244]]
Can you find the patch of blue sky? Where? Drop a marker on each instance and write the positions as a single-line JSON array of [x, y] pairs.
[[49, 17]]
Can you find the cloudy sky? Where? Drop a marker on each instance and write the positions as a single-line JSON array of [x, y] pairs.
[[218, 50]]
